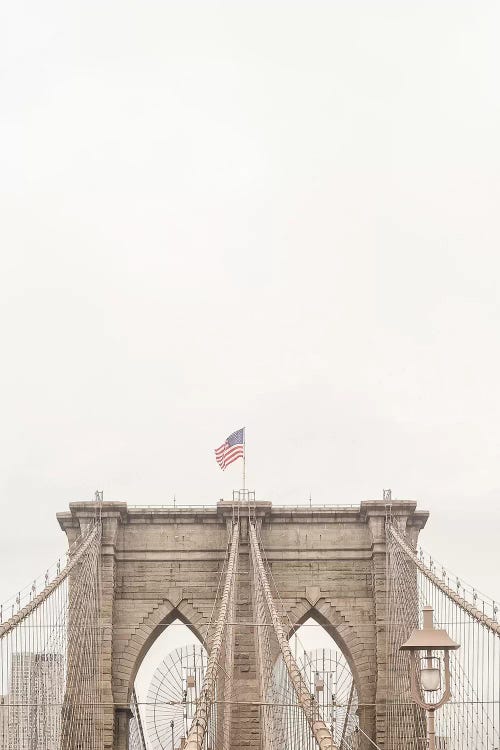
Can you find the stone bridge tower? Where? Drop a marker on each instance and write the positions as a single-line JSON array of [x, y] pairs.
[[160, 564]]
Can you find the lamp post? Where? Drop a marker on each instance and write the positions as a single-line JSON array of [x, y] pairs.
[[427, 667]]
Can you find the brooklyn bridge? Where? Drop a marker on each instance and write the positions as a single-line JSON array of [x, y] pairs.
[[408, 658]]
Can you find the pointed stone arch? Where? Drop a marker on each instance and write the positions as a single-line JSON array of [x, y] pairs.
[[357, 649], [131, 651]]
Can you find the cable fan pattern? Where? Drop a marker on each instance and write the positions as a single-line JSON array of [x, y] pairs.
[[172, 696], [330, 681]]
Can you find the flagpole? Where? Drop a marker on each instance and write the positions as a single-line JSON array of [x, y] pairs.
[[244, 457]]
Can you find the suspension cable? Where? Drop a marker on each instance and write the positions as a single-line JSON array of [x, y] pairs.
[[474, 612], [196, 735], [318, 727], [34, 603]]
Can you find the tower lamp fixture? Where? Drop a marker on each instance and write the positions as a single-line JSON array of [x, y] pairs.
[[426, 668]]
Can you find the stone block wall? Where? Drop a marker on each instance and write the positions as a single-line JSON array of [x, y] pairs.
[[163, 564]]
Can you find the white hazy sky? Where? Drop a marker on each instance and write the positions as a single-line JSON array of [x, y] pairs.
[[283, 215]]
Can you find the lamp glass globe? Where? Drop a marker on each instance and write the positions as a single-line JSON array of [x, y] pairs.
[[430, 678]]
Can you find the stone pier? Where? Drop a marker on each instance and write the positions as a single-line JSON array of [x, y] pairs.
[[159, 564]]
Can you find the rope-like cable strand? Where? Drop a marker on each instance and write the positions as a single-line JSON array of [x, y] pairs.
[[474, 612], [306, 700], [50, 654], [194, 740], [29, 608], [472, 717]]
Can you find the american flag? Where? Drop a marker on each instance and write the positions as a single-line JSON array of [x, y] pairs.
[[232, 448]]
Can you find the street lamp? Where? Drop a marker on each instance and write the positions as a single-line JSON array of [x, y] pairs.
[[426, 669]]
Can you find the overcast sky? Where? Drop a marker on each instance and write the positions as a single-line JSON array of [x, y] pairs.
[[283, 215]]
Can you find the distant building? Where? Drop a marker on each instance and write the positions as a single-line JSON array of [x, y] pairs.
[[35, 698]]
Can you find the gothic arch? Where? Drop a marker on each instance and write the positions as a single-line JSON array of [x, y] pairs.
[[358, 652], [143, 634]]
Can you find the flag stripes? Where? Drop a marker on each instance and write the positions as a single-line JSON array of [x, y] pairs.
[[231, 449]]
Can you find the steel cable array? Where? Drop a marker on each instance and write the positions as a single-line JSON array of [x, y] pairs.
[[472, 717], [173, 695], [203, 732], [284, 690], [50, 657], [301, 721], [50, 662]]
